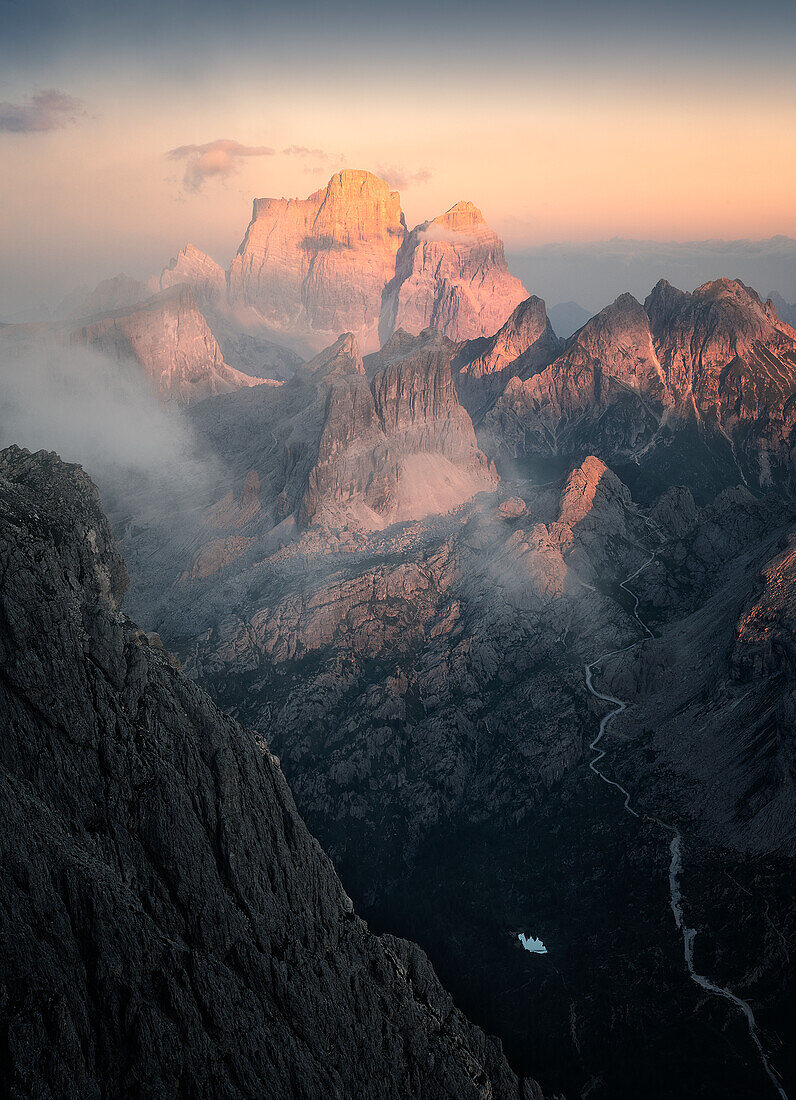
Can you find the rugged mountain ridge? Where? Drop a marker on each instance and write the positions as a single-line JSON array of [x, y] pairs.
[[340, 446], [425, 692], [168, 924], [524, 345], [717, 365]]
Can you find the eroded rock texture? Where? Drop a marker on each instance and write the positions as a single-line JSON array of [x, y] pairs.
[[167, 924], [451, 274], [342, 444], [697, 389], [343, 260], [318, 266]]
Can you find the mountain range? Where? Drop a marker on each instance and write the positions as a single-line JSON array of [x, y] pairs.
[[512, 610]]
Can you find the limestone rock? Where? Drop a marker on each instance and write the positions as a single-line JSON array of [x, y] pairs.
[[523, 346], [193, 267], [167, 923], [728, 357], [169, 339], [333, 442], [317, 266], [604, 392], [451, 273]]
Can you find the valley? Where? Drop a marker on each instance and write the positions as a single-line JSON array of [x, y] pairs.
[[513, 615]]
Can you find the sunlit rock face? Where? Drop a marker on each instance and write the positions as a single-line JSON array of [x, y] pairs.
[[451, 273], [605, 390], [207, 279], [729, 358], [318, 266], [718, 364], [169, 339], [342, 260]]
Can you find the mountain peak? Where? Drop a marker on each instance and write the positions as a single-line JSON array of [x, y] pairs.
[[451, 274], [462, 217], [343, 357], [317, 267]]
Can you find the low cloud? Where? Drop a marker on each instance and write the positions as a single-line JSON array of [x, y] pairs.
[[400, 178], [216, 160], [47, 110]]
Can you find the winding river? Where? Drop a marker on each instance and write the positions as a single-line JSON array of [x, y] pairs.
[[676, 845]]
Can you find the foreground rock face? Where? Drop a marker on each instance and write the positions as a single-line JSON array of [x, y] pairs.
[[451, 273], [318, 266], [167, 924]]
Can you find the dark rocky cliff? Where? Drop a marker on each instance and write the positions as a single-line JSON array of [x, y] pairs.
[[167, 924]]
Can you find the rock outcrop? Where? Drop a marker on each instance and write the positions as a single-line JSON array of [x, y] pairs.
[[728, 356], [605, 392], [167, 924], [193, 267], [335, 445], [523, 346], [342, 260], [317, 267], [451, 274], [169, 339]]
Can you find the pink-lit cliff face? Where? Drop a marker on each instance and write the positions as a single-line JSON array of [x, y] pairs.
[[343, 260], [319, 265]]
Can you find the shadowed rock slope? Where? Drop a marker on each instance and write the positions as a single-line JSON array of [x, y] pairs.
[[334, 445], [167, 924]]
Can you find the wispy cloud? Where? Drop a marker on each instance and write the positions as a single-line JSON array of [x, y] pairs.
[[47, 110], [400, 178], [217, 159], [304, 152]]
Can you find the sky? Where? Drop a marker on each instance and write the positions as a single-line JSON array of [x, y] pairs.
[[127, 130]]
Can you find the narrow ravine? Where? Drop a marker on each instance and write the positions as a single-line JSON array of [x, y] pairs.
[[676, 845]]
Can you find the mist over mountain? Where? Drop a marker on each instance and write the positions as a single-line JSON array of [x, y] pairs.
[[595, 274], [503, 596]]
